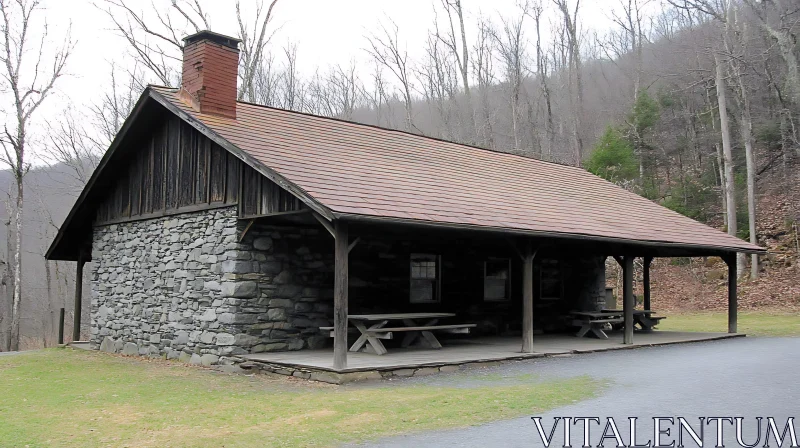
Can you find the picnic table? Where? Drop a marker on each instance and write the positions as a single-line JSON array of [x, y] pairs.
[[594, 322], [645, 319], [416, 326]]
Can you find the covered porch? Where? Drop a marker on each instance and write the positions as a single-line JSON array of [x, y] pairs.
[[372, 274], [456, 353]]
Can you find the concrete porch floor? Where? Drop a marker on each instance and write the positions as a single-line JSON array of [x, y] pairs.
[[457, 352]]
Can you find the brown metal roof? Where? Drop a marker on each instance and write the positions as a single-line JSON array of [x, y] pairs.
[[356, 170]]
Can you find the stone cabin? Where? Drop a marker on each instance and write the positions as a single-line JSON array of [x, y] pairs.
[[218, 228]]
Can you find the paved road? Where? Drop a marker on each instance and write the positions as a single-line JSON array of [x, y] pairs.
[[745, 377]]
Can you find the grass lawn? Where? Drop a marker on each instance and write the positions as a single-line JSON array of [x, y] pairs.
[[74, 398], [761, 323]]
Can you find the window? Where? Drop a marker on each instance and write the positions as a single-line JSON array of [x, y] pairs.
[[550, 280], [497, 280], [425, 278]]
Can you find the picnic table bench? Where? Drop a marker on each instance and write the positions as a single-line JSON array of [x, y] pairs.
[[594, 322], [645, 319], [371, 336]]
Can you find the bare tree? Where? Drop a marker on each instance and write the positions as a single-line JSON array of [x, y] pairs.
[[29, 86], [156, 44], [736, 38], [7, 276], [455, 39], [385, 49], [484, 73], [570, 20], [542, 74], [267, 82], [155, 39], [632, 38], [69, 143], [378, 97], [108, 113], [727, 152], [253, 48], [786, 13], [335, 94], [511, 47], [439, 84], [290, 83]]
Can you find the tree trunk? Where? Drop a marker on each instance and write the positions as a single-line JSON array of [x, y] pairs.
[[15, 306], [787, 50], [746, 131], [722, 183], [730, 183], [8, 281], [720, 164]]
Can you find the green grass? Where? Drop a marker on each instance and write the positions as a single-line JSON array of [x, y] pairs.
[[72, 398], [759, 323]]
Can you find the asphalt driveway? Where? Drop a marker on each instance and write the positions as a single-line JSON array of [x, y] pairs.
[[745, 377]]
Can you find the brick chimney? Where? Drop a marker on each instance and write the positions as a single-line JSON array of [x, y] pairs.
[[210, 69]]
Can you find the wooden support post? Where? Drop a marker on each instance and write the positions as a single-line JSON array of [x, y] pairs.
[[527, 303], [732, 297], [76, 319], [340, 285], [646, 281], [627, 298], [61, 326]]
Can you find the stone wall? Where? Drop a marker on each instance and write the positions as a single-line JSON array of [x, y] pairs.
[[586, 282], [184, 287]]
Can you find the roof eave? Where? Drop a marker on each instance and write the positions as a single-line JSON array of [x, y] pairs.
[[694, 249]]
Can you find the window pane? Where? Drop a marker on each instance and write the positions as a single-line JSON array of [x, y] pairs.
[[432, 271], [424, 278], [496, 282], [550, 280], [423, 266], [421, 291]]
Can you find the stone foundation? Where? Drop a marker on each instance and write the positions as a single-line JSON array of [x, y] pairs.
[[184, 287], [327, 376]]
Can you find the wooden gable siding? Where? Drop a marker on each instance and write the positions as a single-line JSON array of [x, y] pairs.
[[176, 169], [262, 197], [172, 170]]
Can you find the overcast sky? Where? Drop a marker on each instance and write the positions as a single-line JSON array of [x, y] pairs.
[[326, 32]]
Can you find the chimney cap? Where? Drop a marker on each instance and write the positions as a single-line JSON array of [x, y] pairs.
[[221, 39]]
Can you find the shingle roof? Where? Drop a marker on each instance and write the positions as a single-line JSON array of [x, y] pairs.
[[355, 169]]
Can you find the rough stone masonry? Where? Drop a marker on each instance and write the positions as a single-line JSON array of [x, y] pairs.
[[184, 287]]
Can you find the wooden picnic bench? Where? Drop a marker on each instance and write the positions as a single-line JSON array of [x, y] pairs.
[[371, 336], [645, 319], [594, 322]]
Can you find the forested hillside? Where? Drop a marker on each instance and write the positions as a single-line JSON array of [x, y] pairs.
[[694, 104]]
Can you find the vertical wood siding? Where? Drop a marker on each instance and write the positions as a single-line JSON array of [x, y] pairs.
[[177, 169], [262, 197], [174, 169]]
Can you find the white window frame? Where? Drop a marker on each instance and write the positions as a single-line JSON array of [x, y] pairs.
[[508, 279], [436, 281]]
